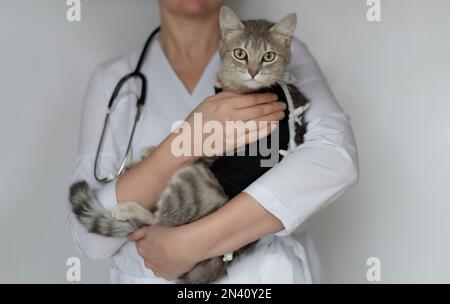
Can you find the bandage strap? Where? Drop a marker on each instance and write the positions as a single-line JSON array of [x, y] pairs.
[[295, 117]]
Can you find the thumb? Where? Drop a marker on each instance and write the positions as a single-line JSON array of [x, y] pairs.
[[138, 235]]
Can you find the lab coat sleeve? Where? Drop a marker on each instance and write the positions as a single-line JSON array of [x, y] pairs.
[[321, 169], [93, 113]]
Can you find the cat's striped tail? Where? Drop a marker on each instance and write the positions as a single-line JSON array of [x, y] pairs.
[[92, 215]]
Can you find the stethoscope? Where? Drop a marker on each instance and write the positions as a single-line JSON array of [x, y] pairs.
[[137, 74]]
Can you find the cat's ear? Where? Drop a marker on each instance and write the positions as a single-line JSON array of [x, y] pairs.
[[230, 24], [285, 29]]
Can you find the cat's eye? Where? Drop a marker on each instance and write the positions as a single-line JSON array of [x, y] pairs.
[[269, 57], [240, 54]]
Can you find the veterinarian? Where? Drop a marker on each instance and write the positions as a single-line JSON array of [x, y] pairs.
[[180, 67]]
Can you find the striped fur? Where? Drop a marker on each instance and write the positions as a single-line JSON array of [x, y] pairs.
[[94, 216], [192, 193]]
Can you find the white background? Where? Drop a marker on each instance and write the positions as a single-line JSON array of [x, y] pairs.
[[392, 78]]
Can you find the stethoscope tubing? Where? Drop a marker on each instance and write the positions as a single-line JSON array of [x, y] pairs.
[[139, 105]]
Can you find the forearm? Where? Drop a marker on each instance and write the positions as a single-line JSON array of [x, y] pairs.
[[240, 222], [144, 182]]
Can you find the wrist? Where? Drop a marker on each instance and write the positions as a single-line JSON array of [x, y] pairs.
[[196, 244], [167, 148]]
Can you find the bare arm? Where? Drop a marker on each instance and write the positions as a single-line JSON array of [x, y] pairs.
[[144, 182], [240, 222]]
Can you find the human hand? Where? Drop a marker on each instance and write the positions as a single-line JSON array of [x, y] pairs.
[[164, 251], [256, 111]]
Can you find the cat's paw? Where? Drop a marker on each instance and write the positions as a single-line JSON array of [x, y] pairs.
[[128, 211]]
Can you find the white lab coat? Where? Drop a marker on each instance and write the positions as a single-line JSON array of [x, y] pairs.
[[315, 174]]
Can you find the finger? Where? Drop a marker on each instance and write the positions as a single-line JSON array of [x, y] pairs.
[[138, 235], [140, 248], [224, 94], [257, 112], [265, 130], [170, 277], [241, 128], [148, 265], [251, 100], [272, 117]]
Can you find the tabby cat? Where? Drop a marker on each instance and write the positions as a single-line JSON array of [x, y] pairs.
[[254, 55]]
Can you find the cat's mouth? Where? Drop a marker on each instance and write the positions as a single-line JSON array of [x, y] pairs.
[[253, 84]]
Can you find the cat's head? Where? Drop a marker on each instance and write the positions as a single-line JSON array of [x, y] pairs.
[[254, 53]]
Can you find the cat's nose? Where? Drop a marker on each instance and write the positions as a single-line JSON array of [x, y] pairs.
[[253, 72]]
